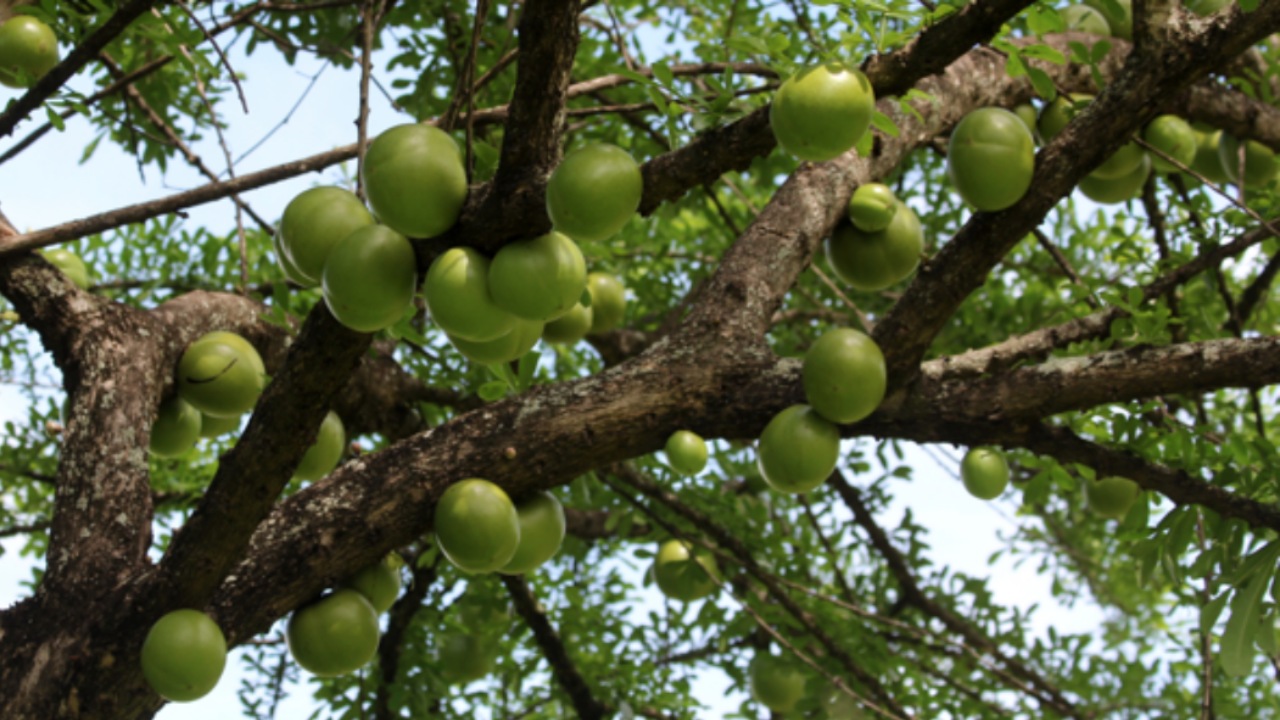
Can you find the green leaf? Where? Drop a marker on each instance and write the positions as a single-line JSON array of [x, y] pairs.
[[1046, 53], [662, 72], [1237, 640], [1210, 613], [493, 390], [1043, 84], [1261, 559], [528, 367], [884, 124], [55, 119], [1043, 20]]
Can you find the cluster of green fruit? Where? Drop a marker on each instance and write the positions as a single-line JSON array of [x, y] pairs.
[[992, 155], [219, 378], [28, 50], [784, 686], [185, 651], [338, 633], [493, 311], [985, 475], [480, 530]]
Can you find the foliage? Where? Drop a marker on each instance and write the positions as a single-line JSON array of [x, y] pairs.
[[1068, 346]]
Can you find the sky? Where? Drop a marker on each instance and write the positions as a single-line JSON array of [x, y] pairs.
[[55, 187]]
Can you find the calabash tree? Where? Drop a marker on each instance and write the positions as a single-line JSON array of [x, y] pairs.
[[1134, 343]]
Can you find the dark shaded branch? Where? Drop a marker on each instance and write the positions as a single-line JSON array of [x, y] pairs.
[[391, 645], [562, 666], [1046, 692]]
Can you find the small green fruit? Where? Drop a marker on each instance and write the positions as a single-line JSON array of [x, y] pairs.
[[457, 294], [985, 473], [324, 454], [798, 450], [608, 301], [370, 278], [1111, 497], [542, 529], [1174, 137], [844, 376], [570, 327], [415, 181], [221, 374], [822, 112], [684, 573], [176, 429], [872, 207], [379, 583], [990, 158], [874, 261], [183, 655], [477, 526], [28, 50], [334, 635], [70, 264], [594, 191], [686, 452], [538, 279]]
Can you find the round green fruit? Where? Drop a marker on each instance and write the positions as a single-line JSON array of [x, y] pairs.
[[1204, 8], [291, 271], [1116, 190], [1259, 161], [28, 50], [594, 192], [176, 429], [798, 450], [221, 374], [570, 327], [844, 376], [542, 529], [1174, 137], [212, 426], [183, 655], [1208, 160], [686, 452], [1122, 163], [457, 294], [1082, 18], [608, 301], [1119, 16], [334, 635], [822, 112], [414, 179], [990, 158], [324, 454], [477, 526], [314, 222], [508, 348], [1027, 114], [872, 207], [70, 265], [874, 261], [776, 682], [684, 573], [1111, 497], [984, 472], [1055, 115], [379, 583], [538, 279], [462, 658], [370, 278]]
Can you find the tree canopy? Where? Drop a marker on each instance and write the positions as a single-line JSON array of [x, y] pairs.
[[1084, 330]]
